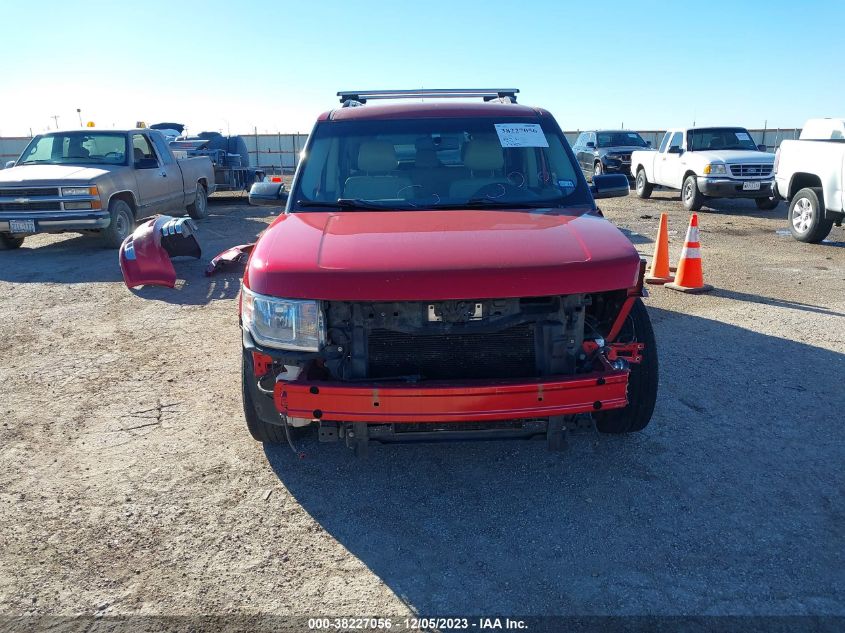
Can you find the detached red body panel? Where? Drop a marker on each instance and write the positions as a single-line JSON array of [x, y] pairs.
[[453, 401]]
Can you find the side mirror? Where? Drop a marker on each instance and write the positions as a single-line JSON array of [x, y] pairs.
[[591, 144], [146, 163], [610, 186], [648, 143], [762, 148], [675, 150], [268, 194], [9, 163]]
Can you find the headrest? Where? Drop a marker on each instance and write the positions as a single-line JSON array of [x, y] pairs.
[[426, 159], [483, 153], [377, 156]]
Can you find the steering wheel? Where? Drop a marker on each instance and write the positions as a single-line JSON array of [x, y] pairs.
[[496, 190]]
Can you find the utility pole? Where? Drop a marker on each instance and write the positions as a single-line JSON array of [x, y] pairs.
[[55, 117]]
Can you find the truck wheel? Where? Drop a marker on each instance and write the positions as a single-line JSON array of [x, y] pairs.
[[767, 204], [9, 243], [199, 208], [598, 168], [642, 382], [644, 187], [805, 216], [261, 430], [121, 226], [692, 198]]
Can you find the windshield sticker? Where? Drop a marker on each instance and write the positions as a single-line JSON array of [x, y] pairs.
[[566, 184], [521, 135], [633, 135], [742, 136]]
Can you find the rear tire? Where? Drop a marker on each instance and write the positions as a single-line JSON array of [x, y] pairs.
[[9, 242], [121, 226], [767, 204], [642, 382], [199, 208], [644, 187], [805, 216], [692, 198]]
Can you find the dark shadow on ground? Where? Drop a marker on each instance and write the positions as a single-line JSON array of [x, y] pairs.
[[730, 502], [81, 259], [781, 303]]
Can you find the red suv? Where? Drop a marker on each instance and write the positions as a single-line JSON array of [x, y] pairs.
[[441, 270]]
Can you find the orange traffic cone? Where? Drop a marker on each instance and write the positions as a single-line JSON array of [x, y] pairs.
[[690, 277], [660, 272]]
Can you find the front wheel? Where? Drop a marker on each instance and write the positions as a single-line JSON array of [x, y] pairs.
[[199, 208], [642, 381], [644, 187], [8, 242], [806, 221], [692, 198], [767, 204], [121, 225]]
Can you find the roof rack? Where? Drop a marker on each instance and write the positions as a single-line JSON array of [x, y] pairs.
[[354, 98]]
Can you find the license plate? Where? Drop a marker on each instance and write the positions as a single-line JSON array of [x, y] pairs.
[[751, 186], [21, 226]]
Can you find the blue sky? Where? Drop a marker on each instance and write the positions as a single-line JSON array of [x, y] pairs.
[[274, 66]]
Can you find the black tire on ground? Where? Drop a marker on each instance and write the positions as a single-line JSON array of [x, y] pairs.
[[9, 243], [259, 428], [806, 221], [692, 198], [121, 226], [198, 209], [642, 382], [767, 204], [644, 187], [598, 169]]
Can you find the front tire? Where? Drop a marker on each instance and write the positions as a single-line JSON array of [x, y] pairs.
[[121, 226], [692, 198], [767, 204], [256, 413], [199, 208], [644, 187], [642, 381], [9, 243]]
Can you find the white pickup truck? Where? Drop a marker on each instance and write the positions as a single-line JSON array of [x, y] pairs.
[[707, 162], [810, 174]]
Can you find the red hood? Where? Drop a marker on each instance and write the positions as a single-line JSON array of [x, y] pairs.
[[439, 255]]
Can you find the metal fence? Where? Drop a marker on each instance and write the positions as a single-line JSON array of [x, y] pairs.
[[280, 152]]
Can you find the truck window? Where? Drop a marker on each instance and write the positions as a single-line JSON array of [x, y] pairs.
[[677, 140], [665, 141], [141, 148], [161, 147]]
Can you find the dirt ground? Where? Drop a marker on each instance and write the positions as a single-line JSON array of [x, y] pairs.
[[129, 484]]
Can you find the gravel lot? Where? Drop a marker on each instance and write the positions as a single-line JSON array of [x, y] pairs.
[[129, 484]]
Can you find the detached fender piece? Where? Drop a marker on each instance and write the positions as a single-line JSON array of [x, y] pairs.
[[145, 255], [229, 257]]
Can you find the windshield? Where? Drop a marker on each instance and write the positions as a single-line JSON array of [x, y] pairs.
[[438, 163], [619, 139], [720, 138], [76, 148]]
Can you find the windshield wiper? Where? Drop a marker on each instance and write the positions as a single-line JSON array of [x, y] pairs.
[[347, 203], [488, 203]]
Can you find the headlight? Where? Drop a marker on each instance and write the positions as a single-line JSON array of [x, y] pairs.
[[715, 168], [79, 191], [283, 323]]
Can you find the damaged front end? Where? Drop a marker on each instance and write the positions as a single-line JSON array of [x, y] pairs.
[[400, 371], [145, 255]]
